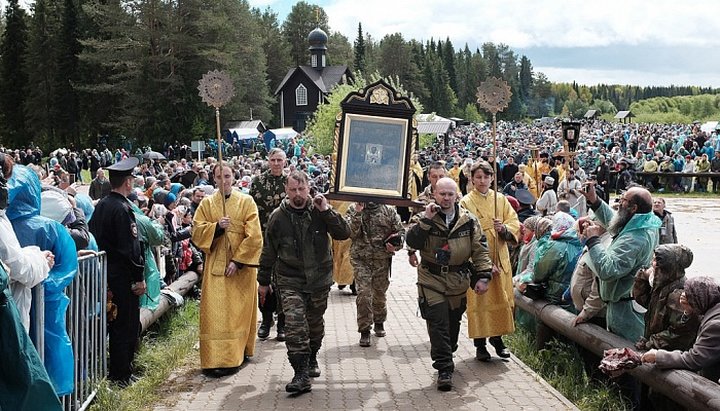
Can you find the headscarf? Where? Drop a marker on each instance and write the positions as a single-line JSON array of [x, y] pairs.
[[702, 293], [544, 225], [672, 260], [561, 222]]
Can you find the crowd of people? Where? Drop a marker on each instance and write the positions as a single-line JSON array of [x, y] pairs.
[[524, 216]]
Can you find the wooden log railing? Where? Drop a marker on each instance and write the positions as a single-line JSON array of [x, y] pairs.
[[684, 387], [181, 286], [671, 174]]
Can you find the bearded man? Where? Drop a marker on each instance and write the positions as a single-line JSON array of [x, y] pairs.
[[634, 230]]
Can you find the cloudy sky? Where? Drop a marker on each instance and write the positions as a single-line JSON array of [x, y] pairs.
[[658, 42], [644, 43]]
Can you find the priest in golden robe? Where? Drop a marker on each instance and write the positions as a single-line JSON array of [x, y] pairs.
[[343, 274], [491, 314], [232, 243]]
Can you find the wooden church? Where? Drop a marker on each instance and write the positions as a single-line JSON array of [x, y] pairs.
[[305, 87]]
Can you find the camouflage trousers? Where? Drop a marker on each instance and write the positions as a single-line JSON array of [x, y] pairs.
[[372, 279], [304, 323]]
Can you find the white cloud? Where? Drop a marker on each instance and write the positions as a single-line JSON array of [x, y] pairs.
[[518, 23]]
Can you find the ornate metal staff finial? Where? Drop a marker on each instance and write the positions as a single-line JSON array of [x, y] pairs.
[[216, 88], [493, 95]]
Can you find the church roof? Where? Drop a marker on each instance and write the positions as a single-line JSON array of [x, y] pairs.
[[324, 80]]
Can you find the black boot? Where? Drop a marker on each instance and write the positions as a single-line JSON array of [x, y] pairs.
[[481, 353], [281, 327], [265, 326], [365, 338], [444, 380], [313, 367], [353, 290], [500, 348], [301, 381], [379, 330]]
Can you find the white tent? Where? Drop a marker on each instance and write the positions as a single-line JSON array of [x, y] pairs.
[[709, 126], [244, 133], [284, 133]]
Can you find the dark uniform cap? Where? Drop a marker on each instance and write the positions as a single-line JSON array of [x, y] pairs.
[[524, 196], [124, 167]]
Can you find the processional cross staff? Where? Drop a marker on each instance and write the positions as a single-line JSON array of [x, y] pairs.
[[216, 89], [493, 95]]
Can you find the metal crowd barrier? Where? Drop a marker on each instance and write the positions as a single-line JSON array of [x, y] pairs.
[[38, 325], [87, 326]]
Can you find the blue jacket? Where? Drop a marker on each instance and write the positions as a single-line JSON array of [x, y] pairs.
[[32, 229]]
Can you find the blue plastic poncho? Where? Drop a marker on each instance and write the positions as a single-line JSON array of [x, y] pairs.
[[32, 229]]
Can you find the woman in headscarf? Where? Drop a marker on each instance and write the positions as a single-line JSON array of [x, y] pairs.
[[658, 288], [701, 297], [555, 259]]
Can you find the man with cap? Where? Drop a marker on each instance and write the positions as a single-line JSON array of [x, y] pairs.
[[116, 231], [548, 200], [526, 200]]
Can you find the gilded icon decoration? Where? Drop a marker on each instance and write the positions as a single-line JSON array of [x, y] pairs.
[[380, 96], [494, 95], [216, 88]]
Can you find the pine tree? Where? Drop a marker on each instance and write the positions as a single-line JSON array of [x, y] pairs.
[[298, 24], [13, 77], [449, 63], [41, 91], [277, 54], [359, 63], [66, 101]]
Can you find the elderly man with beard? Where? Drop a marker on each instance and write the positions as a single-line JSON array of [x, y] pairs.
[[634, 229]]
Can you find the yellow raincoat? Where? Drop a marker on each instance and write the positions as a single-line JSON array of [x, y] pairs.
[[228, 307]]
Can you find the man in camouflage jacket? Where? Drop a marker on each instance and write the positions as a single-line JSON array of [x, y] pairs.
[[376, 232], [268, 191]]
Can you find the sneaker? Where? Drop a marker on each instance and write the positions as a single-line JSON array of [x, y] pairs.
[[444, 380], [379, 330], [365, 339]]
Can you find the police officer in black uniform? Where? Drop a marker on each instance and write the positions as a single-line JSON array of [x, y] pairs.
[[114, 227]]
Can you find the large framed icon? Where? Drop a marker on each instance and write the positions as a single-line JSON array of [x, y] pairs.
[[375, 135]]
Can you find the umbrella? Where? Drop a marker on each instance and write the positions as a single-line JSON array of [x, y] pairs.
[[186, 178], [153, 155], [62, 151]]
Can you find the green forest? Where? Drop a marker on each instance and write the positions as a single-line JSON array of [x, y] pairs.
[[73, 70]]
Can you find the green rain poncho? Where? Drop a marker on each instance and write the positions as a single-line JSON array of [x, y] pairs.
[[151, 235], [616, 266]]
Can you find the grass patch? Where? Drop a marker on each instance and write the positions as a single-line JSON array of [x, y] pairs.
[[164, 347], [561, 367]]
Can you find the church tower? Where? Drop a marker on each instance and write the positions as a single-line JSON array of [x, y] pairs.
[[318, 47]]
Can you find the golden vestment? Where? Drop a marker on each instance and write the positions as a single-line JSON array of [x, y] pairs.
[[228, 306], [491, 314], [342, 268]]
